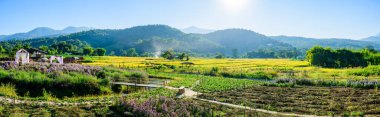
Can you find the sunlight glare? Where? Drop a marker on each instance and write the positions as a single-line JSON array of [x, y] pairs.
[[234, 6]]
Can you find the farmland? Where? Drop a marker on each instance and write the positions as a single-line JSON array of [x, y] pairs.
[[278, 85], [284, 68]]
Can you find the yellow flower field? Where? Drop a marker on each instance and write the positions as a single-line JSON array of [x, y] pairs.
[[301, 69]]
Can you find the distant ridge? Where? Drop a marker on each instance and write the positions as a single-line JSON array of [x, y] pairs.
[[375, 38], [43, 32]]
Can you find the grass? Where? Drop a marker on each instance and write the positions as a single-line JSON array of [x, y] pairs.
[[178, 80], [57, 83], [143, 95], [8, 90], [216, 84]]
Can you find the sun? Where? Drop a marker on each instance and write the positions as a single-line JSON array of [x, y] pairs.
[[234, 6]]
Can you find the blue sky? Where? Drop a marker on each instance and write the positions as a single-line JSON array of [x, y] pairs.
[[309, 18]]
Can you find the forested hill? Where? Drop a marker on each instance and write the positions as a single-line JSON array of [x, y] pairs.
[[153, 38], [243, 40]]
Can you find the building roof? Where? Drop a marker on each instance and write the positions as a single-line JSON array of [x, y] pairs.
[[32, 50]]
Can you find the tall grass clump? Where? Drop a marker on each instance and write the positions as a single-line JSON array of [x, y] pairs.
[[254, 75], [368, 71], [8, 90]]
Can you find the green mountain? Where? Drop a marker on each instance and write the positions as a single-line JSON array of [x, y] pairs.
[[158, 38], [243, 40], [151, 38]]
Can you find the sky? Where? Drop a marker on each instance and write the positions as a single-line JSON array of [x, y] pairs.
[[353, 19]]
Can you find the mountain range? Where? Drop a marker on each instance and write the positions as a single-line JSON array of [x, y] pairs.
[[375, 38], [43, 32], [158, 38]]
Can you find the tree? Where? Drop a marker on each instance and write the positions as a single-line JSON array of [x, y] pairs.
[[44, 48], [169, 54], [87, 50], [63, 47], [325, 57], [2, 50], [182, 56], [100, 51], [112, 53], [219, 56], [235, 53], [132, 52]]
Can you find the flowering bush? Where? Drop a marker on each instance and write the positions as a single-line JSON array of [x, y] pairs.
[[48, 68], [164, 107]]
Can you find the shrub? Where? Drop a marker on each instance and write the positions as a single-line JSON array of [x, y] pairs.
[[101, 74], [8, 90], [255, 75], [56, 83], [214, 71], [139, 77], [368, 71], [163, 106]]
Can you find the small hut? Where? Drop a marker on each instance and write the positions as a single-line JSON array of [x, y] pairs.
[[22, 56]]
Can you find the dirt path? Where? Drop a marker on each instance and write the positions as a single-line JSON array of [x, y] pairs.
[[189, 93]]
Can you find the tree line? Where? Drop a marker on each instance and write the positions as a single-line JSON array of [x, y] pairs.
[[63, 47], [340, 58]]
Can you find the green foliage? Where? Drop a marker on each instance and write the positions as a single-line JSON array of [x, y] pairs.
[[220, 56], [214, 71], [235, 53], [254, 75], [212, 84], [100, 52], [169, 54], [63, 47], [183, 56], [88, 50], [368, 71], [8, 90], [131, 52], [274, 53], [326, 57], [152, 93], [57, 83]]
